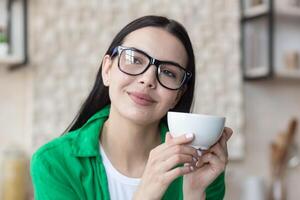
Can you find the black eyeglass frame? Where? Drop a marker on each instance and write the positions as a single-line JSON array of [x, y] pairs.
[[153, 61]]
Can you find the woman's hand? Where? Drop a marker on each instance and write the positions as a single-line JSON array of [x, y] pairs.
[[162, 166], [208, 167]]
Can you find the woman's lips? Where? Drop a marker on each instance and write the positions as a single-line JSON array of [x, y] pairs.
[[141, 98]]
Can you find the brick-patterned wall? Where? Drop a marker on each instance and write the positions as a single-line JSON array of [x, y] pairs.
[[68, 39]]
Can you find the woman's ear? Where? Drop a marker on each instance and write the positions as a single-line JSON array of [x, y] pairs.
[[106, 66]]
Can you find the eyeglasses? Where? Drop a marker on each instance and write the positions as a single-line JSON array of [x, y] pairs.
[[134, 62]]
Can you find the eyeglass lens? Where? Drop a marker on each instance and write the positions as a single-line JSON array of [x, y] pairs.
[[134, 63]]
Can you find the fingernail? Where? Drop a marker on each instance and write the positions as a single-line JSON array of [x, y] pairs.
[[198, 164], [192, 168], [199, 152], [189, 135]]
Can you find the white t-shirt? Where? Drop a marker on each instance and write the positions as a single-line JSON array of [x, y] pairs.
[[120, 186]]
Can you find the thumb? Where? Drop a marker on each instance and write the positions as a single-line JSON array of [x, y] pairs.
[[228, 133], [169, 137]]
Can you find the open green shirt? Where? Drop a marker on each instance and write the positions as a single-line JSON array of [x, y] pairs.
[[70, 167]]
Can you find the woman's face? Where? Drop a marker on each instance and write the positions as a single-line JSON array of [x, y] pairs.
[[141, 98]]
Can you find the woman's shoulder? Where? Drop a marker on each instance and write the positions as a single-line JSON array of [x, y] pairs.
[[56, 148]]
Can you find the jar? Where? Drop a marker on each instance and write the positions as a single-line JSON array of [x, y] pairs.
[[14, 178]]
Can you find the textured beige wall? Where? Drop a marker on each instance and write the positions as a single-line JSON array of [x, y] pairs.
[[16, 97], [68, 39]]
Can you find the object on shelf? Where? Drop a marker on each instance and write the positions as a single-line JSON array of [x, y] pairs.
[[278, 189], [3, 42], [280, 153], [256, 49], [295, 3], [291, 60], [14, 52], [256, 2], [254, 188], [15, 175]]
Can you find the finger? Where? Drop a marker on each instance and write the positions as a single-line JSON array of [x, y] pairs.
[[183, 139], [164, 153], [201, 152], [175, 160], [228, 133], [176, 172], [191, 166], [163, 146], [156, 151], [199, 163], [168, 137], [220, 152], [171, 146], [223, 143], [213, 161], [178, 149]]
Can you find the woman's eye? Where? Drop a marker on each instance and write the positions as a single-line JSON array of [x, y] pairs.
[[130, 59], [169, 73], [136, 61]]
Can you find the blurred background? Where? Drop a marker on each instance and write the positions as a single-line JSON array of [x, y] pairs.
[[248, 69]]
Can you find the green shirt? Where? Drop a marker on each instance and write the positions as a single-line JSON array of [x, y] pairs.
[[70, 167]]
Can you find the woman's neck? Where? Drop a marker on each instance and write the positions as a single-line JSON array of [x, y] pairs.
[[127, 144]]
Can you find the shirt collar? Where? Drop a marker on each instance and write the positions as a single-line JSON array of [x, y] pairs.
[[86, 142]]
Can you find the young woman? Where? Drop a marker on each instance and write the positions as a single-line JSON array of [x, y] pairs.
[[118, 146]]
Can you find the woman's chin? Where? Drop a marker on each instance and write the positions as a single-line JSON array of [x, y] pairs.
[[141, 117]]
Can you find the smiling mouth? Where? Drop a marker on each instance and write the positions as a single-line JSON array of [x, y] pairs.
[[141, 99]]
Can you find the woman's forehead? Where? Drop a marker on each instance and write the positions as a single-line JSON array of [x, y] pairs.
[[158, 43]]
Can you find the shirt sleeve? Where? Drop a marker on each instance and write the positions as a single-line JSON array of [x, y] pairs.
[[216, 190], [47, 183]]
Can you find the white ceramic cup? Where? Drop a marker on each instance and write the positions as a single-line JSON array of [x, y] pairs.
[[207, 128]]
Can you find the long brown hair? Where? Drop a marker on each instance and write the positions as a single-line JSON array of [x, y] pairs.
[[99, 96]]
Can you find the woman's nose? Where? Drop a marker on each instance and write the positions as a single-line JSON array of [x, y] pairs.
[[149, 77]]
